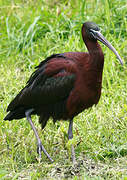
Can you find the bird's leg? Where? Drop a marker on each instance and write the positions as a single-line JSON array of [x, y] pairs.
[[70, 136], [39, 144]]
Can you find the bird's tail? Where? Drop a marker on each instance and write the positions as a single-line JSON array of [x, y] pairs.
[[15, 114]]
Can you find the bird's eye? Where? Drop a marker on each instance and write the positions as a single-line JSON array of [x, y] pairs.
[[93, 33]]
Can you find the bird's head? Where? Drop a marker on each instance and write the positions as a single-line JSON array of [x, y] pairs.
[[91, 32]]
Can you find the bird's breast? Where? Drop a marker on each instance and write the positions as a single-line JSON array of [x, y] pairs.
[[86, 92]]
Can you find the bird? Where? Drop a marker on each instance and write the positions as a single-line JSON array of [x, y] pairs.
[[63, 85]]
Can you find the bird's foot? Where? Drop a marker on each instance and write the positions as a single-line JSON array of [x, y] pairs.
[[73, 155], [40, 148]]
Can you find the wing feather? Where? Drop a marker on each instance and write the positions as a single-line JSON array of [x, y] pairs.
[[51, 82]]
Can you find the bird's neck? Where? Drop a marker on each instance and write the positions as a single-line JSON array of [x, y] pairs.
[[96, 55]]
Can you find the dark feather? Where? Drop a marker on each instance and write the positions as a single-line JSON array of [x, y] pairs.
[[45, 93], [40, 68]]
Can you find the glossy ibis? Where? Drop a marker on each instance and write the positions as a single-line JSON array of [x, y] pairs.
[[63, 85]]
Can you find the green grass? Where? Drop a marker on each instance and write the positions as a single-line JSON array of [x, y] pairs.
[[29, 32]]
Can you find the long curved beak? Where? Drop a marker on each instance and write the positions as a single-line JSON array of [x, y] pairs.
[[101, 38]]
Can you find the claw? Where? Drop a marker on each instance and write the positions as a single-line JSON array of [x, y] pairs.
[[73, 155], [40, 148]]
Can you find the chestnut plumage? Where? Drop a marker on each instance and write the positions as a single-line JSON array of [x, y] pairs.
[[63, 85]]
